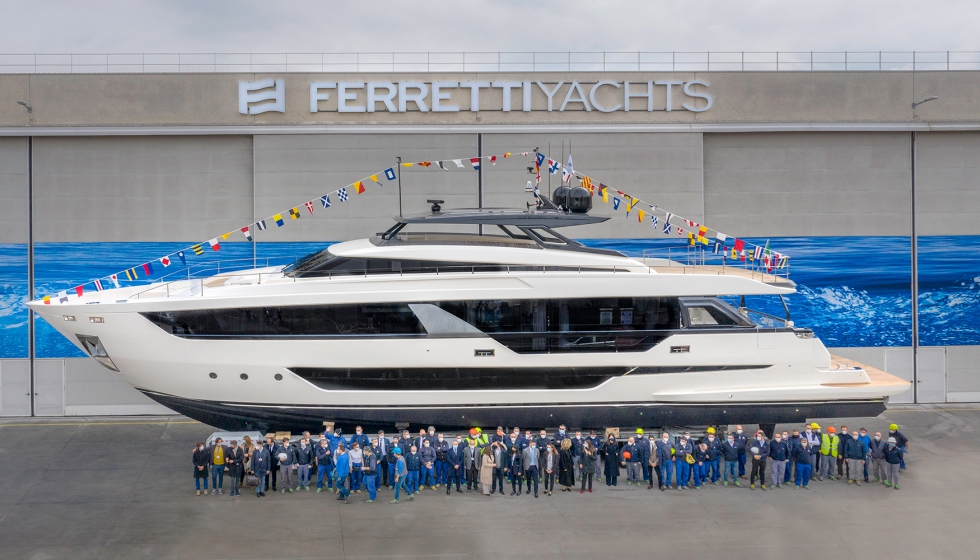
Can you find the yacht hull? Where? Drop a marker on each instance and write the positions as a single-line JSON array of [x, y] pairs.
[[275, 417]]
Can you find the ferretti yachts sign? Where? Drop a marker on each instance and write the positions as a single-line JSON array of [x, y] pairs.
[[448, 97]]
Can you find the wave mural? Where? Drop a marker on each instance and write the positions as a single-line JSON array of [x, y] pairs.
[[852, 291]]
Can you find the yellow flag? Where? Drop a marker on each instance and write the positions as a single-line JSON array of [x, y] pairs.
[[640, 215], [225, 236], [690, 238], [629, 204], [605, 195], [375, 179], [407, 164], [507, 154]]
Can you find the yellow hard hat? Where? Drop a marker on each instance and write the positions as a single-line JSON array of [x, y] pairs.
[[639, 431], [893, 427], [479, 430], [814, 426], [711, 430], [690, 459]]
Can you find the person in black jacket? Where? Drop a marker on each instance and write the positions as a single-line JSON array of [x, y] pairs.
[[610, 456], [273, 475], [305, 456], [894, 455], [234, 460], [804, 467], [854, 453], [729, 453], [324, 464], [456, 465], [779, 455], [758, 448], [741, 439], [261, 461], [713, 455], [202, 460]]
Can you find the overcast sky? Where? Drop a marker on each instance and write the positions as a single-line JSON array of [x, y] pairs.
[[74, 26]]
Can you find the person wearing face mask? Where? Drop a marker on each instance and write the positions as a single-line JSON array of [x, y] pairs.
[[779, 456], [634, 470], [759, 448], [842, 466], [587, 467], [665, 456], [287, 460], [741, 439], [811, 433], [305, 456], [543, 442], [560, 436], [682, 449], [401, 475], [792, 441], [865, 440], [854, 453], [324, 462], [499, 450], [801, 455], [713, 455], [531, 461], [202, 461], [610, 454], [643, 456], [359, 438], [901, 442], [700, 466], [381, 453], [877, 453], [729, 454], [233, 460], [217, 452], [441, 446], [369, 468], [893, 462], [428, 459], [432, 435], [487, 466], [273, 476], [261, 459], [577, 442], [413, 462], [515, 471], [356, 455], [596, 442], [342, 473], [455, 463], [829, 450], [653, 463], [471, 458]]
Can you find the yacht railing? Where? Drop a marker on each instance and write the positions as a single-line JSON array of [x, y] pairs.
[[696, 259]]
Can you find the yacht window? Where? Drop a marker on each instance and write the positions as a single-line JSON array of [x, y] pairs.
[[712, 313]]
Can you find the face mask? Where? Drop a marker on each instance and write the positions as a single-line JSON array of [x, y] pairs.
[[200, 447], [738, 431], [440, 439], [777, 439], [432, 433], [843, 432], [731, 441], [458, 442], [665, 438], [877, 438], [890, 445], [803, 444], [864, 434], [711, 438], [425, 445]]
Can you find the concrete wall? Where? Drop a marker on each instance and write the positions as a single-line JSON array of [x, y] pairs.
[[91, 390], [13, 190], [802, 183], [947, 185], [168, 188]]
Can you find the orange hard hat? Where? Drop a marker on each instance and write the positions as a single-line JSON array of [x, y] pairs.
[[472, 431], [832, 430], [626, 454]]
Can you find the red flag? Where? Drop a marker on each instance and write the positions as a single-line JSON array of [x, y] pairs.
[[79, 290], [493, 160], [309, 206], [359, 186]]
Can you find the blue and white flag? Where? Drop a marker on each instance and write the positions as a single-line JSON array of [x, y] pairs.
[[667, 223], [325, 201], [183, 259], [653, 221], [342, 194], [260, 225], [569, 171], [98, 285], [390, 173], [62, 297], [616, 203], [553, 166], [540, 159]]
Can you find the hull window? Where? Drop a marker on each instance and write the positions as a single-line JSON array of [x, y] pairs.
[[457, 379]]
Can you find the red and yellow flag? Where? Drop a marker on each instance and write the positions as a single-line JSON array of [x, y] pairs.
[[359, 187]]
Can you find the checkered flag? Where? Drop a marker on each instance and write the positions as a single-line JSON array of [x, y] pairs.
[[342, 194]]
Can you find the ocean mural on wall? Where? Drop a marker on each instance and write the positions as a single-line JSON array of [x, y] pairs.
[[852, 291]]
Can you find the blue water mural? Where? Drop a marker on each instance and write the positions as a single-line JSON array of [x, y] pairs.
[[13, 294], [949, 291], [852, 291]]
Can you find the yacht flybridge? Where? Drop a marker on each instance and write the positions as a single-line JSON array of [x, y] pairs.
[[434, 322]]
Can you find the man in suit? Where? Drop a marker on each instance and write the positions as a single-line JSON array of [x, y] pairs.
[[499, 459], [471, 460], [381, 450], [531, 460], [454, 460]]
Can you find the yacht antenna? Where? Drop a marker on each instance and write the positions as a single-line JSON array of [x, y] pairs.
[[399, 166]]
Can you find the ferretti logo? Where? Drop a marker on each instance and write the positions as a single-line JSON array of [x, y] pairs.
[[257, 92], [437, 97]]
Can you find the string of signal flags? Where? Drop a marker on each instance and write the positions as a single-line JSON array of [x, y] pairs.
[[660, 219]]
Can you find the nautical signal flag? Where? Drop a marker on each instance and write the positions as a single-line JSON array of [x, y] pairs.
[[309, 206], [325, 201], [493, 160], [79, 290], [215, 246], [247, 233], [475, 162], [539, 159], [261, 225], [717, 248], [278, 219], [569, 171], [359, 187], [62, 297], [441, 166], [183, 259], [198, 250], [374, 178], [148, 268], [587, 183], [506, 154], [115, 279], [47, 300], [605, 192], [98, 285], [342, 194], [653, 220], [390, 173], [294, 213], [639, 215], [701, 233], [690, 237], [165, 261], [553, 166], [425, 163], [131, 274], [616, 203], [407, 164]]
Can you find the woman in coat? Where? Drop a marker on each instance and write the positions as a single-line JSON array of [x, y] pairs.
[[486, 470], [201, 459], [566, 466], [515, 471], [610, 451], [587, 463], [549, 465], [248, 448]]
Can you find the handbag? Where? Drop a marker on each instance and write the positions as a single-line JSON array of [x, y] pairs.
[[251, 480]]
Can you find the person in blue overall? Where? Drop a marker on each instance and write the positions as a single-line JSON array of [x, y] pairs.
[[342, 473], [401, 476]]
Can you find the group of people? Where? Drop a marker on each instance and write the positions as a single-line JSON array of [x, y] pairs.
[[346, 465]]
